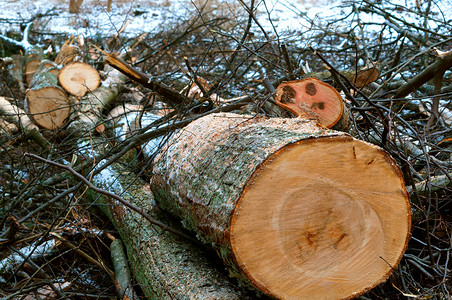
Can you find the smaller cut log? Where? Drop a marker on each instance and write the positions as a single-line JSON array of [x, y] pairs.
[[15, 115], [34, 57], [7, 127], [307, 96], [47, 103], [16, 70], [45, 66], [366, 76], [78, 78]]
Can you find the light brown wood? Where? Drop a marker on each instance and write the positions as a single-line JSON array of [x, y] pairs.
[[366, 76], [45, 102], [78, 78], [307, 96], [31, 66]]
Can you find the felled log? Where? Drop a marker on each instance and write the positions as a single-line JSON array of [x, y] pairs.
[[365, 76], [17, 71], [311, 98], [165, 265], [78, 78], [19, 118], [47, 103], [90, 107], [294, 209]]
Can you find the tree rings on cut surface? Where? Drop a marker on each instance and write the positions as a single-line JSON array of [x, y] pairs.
[[325, 218], [78, 78], [302, 97], [48, 106]]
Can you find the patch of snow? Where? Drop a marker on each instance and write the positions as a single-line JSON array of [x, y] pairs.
[[7, 264]]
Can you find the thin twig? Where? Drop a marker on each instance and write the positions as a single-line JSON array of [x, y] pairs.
[[114, 196]]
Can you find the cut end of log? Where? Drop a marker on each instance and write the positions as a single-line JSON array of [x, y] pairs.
[[366, 76], [78, 78], [48, 107], [326, 218], [302, 97]]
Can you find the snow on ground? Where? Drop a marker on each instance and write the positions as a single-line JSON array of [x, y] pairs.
[[140, 16]]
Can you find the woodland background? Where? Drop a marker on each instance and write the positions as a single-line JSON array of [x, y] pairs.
[[236, 46]]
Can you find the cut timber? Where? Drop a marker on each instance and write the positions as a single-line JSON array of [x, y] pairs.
[[14, 114], [17, 71], [297, 210], [78, 78], [46, 103], [302, 97], [366, 76], [43, 67]]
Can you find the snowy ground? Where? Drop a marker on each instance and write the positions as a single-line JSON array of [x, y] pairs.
[[149, 16]]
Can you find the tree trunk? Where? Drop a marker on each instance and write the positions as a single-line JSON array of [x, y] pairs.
[[296, 210], [165, 265], [74, 6]]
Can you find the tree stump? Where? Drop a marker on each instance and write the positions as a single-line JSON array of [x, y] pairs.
[[296, 210]]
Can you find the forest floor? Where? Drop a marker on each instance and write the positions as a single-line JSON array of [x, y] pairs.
[[236, 48]]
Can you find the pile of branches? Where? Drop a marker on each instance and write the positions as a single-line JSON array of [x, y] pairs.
[[210, 63]]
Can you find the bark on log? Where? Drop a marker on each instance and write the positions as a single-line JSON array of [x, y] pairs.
[[165, 265], [47, 103], [296, 210], [17, 71]]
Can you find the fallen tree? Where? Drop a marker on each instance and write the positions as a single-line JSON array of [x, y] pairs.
[[166, 265]]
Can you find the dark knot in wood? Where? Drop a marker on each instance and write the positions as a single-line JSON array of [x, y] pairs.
[[288, 95], [310, 89]]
